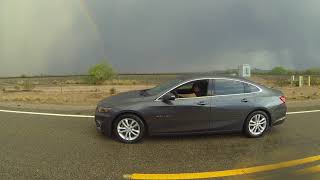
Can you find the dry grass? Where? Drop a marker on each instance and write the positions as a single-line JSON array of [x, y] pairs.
[[301, 93], [291, 92], [71, 92], [90, 95], [80, 95]]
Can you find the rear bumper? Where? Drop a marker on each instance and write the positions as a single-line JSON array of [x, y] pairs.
[[278, 114], [279, 121]]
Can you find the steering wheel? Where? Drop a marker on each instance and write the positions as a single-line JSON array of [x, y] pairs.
[[176, 94]]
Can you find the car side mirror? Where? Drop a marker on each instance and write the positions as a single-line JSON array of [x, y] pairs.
[[168, 97]]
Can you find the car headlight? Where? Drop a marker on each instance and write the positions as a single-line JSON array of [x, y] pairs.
[[103, 109]]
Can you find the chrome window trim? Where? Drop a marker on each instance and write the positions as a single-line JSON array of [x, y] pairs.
[[198, 79], [202, 97]]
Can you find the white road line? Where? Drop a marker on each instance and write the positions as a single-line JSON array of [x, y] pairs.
[[47, 114], [303, 112], [87, 116]]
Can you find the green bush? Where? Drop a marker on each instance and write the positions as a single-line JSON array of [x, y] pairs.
[[100, 73], [279, 71]]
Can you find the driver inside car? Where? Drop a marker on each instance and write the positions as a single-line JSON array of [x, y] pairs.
[[198, 90]]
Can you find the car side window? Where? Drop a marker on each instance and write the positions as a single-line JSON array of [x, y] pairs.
[[228, 87], [197, 88], [248, 88]]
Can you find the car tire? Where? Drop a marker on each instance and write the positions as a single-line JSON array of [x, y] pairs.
[[256, 124], [129, 128]]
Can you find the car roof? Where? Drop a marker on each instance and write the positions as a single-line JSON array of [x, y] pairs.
[[204, 76], [189, 77]]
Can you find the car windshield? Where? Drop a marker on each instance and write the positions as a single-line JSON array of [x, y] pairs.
[[162, 87]]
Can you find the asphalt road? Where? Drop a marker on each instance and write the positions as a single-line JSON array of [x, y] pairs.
[[47, 147]]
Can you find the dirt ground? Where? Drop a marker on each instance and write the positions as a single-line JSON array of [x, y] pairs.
[[90, 95], [71, 94], [301, 93], [75, 91], [291, 92]]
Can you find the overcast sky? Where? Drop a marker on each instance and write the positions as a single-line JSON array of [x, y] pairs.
[[142, 36]]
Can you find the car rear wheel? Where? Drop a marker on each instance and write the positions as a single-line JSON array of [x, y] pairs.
[[129, 128], [256, 124]]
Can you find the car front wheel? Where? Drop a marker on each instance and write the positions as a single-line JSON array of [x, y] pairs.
[[257, 124], [129, 128]]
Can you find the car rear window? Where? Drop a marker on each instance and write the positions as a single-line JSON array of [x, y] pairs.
[[248, 88], [227, 87]]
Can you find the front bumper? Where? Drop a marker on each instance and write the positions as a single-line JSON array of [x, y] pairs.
[[99, 125], [103, 122]]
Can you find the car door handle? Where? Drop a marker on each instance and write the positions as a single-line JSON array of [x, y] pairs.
[[244, 100], [202, 103]]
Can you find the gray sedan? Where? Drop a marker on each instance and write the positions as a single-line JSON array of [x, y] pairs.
[[192, 105]]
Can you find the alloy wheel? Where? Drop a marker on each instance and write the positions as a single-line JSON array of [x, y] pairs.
[[257, 124], [128, 129]]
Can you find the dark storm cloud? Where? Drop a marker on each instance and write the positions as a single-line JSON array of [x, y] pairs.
[[187, 35], [211, 34]]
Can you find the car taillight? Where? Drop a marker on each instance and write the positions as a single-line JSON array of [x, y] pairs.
[[283, 99]]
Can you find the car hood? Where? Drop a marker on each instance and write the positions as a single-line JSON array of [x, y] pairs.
[[123, 99]]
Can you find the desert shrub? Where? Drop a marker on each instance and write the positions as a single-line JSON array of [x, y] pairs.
[[130, 82], [70, 82], [120, 82], [35, 82], [28, 86], [20, 83], [94, 90], [112, 90], [295, 83], [315, 81], [282, 82], [312, 71], [55, 82], [134, 82], [17, 88], [23, 76], [100, 73], [3, 89]]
